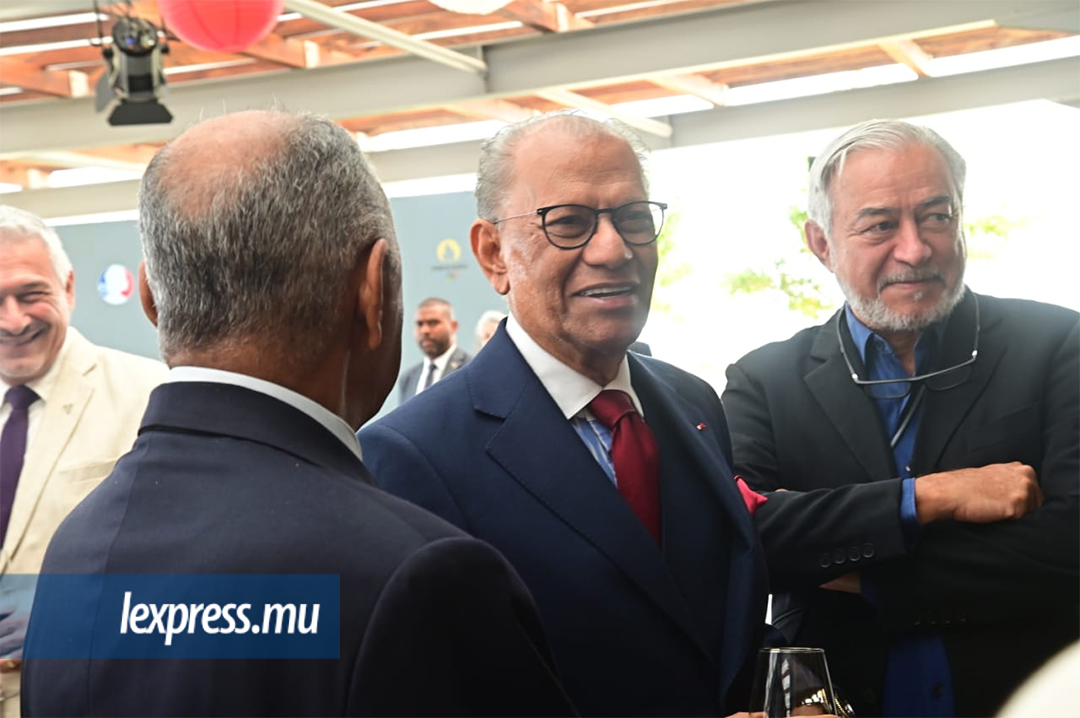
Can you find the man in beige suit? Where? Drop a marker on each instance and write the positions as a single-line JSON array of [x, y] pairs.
[[70, 409]]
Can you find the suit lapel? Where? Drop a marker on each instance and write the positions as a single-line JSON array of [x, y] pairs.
[[567, 482], [457, 360], [851, 412], [711, 551], [68, 400], [945, 410]]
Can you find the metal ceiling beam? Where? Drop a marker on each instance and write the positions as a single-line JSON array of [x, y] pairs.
[[692, 41], [1050, 80], [386, 35], [72, 160], [1055, 80], [581, 102], [19, 9], [733, 35]]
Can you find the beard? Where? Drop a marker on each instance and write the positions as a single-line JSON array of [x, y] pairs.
[[877, 315]]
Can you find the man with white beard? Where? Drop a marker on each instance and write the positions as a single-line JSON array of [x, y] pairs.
[[919, 449]]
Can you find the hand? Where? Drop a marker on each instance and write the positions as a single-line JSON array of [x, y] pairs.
[[983, 495], [12, 636], [848, 583]]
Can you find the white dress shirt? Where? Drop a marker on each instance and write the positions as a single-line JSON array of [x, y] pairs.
[[440, 368], [573, 392], [333, 423], [43, 387]]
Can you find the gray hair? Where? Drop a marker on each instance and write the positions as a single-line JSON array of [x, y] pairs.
[[491, 316], [17, 223], [272, 250], [497, 153], [873, 134]]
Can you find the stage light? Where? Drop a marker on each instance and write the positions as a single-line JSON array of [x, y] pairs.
[[134, 74]]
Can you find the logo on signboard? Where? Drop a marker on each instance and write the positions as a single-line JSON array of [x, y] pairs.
[[448, 251], [115, 285], [448, 254]]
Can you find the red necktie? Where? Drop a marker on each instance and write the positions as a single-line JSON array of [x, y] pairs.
[[635, 455]]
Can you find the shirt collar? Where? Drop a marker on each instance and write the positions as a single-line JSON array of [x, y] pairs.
[[43, 386], [443, 359], [925, 347], [570, 390], [331, 421]]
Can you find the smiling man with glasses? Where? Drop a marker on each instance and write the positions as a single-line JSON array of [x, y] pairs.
[[922, 446], [604, 477]]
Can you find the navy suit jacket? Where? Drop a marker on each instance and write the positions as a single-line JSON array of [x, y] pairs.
[[635, 629], [227, 480]]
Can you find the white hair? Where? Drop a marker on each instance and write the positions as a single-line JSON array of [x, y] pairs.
[[873, 134], [497, 153], [19, 224]]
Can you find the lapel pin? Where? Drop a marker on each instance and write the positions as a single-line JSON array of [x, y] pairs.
[[701, 427], [67, 408]]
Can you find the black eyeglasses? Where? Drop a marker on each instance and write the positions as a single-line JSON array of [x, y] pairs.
[[569, 226], [939, 380]]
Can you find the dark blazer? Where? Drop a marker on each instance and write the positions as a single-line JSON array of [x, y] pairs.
[[635, 630], [226, 480], [1004, 596], [409, 378]]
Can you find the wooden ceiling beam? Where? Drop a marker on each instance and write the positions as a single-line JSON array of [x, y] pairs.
[[379, 13], [24, 175], [581, 102], [59, 83], [285, 51], [695, 85], [491, 110], [59, 159], [139, 154], [908, 52], [47, 35], [549, 16]]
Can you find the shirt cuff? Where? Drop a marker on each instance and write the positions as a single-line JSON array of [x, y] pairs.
[[909, 519]]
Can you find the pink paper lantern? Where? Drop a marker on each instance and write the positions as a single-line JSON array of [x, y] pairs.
[[221, 25]]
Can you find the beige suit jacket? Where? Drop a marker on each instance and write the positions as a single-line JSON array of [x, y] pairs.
[[91, 418]]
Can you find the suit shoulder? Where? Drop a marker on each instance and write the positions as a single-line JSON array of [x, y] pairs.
[[1030, 314], [425, 526], [120, 361], [782, 354], [430, 408]]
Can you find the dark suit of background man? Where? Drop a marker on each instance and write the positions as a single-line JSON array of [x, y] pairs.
[[929, 536], [436, 333], [247, 461], [653, 596]]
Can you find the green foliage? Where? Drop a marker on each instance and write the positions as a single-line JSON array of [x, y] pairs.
[[671, 269], [987, 235], [804, 295], [787, 275]]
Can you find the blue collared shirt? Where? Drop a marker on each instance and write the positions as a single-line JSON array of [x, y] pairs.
[[917, 677], [572, 392]]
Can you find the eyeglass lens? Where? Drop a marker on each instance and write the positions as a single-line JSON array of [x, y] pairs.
[[636, 222], [949, 379]]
